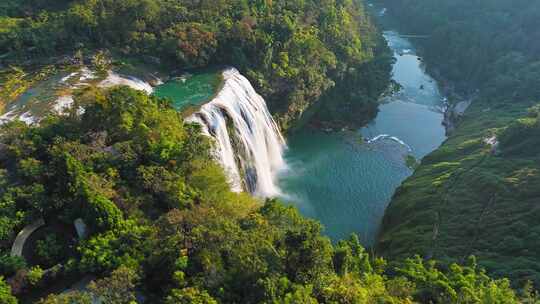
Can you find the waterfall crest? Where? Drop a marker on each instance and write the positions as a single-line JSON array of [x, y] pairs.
[[249, 144]]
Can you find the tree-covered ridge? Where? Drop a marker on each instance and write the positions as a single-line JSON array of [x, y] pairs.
[[522, 136], [490, 45], [164, 225], [474, 196], [477, 194], [292, 51]]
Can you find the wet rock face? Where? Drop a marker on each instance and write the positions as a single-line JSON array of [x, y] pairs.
[[249, 144], [453, 114]]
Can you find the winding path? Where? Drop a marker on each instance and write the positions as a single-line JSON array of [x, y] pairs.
[[18, 245]]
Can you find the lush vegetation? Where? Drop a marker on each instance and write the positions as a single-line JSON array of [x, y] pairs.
[[163, 223], [15, 82], [478, 194], [487, 45], [293, 51], [522, 137]]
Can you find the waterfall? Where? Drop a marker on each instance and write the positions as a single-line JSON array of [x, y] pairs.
[[114, 79], [249, 144]]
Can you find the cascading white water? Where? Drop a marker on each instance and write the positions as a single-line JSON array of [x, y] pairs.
[[393, 138], [114, 79], [249, 144]]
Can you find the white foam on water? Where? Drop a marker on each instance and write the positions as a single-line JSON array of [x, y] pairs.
[[27, 118], [114, 79], [63, 103], [389, 137], [68, 77], [7, 117], [86, 74]]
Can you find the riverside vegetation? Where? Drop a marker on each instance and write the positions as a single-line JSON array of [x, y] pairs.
[[479, 193], [293, 52], [162, 221]]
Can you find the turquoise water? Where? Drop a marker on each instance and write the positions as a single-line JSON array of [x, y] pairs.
[[38, 99], [190, 90], [339, 178], [345, 182]]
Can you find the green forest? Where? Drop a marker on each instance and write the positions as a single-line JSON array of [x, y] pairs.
[[162, 224], [487, 45], [478, 194], [292, 51]]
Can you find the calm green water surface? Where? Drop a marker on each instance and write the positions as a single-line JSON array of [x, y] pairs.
[[346, 183], [190, 90]]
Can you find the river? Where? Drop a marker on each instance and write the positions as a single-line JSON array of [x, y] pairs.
[[190, 89], [346, 182], [347, 179]]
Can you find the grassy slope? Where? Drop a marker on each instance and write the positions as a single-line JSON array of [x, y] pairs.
[[465, 200]]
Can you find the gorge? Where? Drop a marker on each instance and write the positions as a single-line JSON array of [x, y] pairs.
[[346, 179], [269, 151], [343, 179]]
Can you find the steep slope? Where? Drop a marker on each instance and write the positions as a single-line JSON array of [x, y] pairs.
[[480, 192]]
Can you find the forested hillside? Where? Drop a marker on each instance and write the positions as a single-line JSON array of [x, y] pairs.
[[480, 192], [487, 45], [163, 225], [130, 206], [292, 51]]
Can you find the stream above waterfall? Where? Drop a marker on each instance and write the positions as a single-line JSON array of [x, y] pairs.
[[190, 89], [346, 179]]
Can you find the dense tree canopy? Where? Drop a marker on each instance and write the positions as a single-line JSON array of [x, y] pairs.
[[490, 45], [163, 223], [293, 51]]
